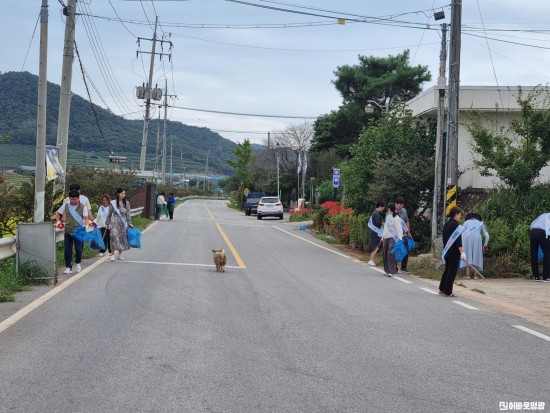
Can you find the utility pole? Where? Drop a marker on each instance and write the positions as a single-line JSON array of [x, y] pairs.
[[451, 178], [206, 172], [156, 172], [66, 81], [171, 158], [441, 86], [40, 175], [148, 93], [166, 96], [164, 135]]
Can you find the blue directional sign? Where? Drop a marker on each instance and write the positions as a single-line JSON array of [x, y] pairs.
[[336, 178]]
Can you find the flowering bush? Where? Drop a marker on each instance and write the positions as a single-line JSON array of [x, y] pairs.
[[333, 219]]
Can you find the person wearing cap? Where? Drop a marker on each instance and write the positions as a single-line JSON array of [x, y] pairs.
[[402, 212], [539, 237], [472, 243]]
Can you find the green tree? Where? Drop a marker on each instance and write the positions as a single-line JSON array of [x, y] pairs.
[[244, 163], [386, 80], [394, 156], [515, 154]]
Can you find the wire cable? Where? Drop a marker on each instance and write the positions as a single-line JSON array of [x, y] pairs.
[[30, 43]]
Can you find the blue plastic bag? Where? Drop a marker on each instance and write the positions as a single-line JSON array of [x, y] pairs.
[[541, 255], [81, 234], [410, 244], [134, 237], [96, 240], [399, 250]]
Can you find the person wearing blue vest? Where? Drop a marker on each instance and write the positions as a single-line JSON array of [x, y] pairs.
[[539, 237], [72, 214], [453, 251]]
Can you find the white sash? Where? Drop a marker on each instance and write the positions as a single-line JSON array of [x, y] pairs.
[[75, 215], [459, 230], [374, 228], [113, 203], [475, 227]]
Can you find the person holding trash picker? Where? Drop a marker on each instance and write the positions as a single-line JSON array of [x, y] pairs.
[[375, 224], [392, 233], [472, 243], [72, 216], [539, 238], [453, 251], [118, 220]]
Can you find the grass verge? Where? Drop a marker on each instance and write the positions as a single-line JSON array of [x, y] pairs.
[[10, 283]]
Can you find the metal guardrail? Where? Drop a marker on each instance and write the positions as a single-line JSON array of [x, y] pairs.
[[8, 246]]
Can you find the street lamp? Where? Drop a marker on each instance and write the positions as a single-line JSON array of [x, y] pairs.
[[372, 106]]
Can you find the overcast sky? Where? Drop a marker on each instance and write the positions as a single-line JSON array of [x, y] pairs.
[[234, 57]]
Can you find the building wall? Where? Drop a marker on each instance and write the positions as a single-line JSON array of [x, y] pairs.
[[483, 99]]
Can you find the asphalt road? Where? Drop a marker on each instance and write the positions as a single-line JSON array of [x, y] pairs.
[[293, 325]]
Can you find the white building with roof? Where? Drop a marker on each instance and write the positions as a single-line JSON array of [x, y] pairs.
[[483, 99]]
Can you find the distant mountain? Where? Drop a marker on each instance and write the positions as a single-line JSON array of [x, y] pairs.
[[18, 113]]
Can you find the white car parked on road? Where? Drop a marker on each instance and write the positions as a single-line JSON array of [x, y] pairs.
[[270, 206]]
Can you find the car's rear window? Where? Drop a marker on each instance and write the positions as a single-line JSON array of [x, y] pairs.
[[270, 200]]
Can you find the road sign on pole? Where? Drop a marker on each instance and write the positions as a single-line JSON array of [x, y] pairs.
[[336, 178]]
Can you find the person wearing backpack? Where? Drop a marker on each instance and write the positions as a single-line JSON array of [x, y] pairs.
[[72, 215]]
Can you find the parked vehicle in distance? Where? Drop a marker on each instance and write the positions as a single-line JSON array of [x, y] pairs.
[[270, 206], [251, 204]]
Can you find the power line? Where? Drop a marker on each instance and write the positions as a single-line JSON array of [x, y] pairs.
[[246, 114]]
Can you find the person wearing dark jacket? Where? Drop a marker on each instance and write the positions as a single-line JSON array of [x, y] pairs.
[[453, 251]]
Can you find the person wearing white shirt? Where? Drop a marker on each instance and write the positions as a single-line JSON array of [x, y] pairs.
[[83, 200], [159, 206], [393, 232], [72, 215], [100, 221]]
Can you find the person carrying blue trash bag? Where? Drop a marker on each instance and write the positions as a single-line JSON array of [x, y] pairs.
[[539, 242], [74, 217], [119, 222]]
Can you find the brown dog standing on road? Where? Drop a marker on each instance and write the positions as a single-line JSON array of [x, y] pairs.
[[220, 260]]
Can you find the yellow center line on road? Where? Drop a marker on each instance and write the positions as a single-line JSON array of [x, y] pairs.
[[238, 258]]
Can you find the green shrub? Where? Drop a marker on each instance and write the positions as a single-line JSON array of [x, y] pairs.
[[10, 283], [301, 215], [359, 232]]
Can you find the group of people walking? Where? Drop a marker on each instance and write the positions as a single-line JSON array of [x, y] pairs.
[[166, 205], [463, 245], [113, 219]]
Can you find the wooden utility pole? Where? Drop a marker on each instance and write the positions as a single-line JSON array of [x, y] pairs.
[[441, 86], [66, 82], [40, 175], [453, 95], [148, 102]]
